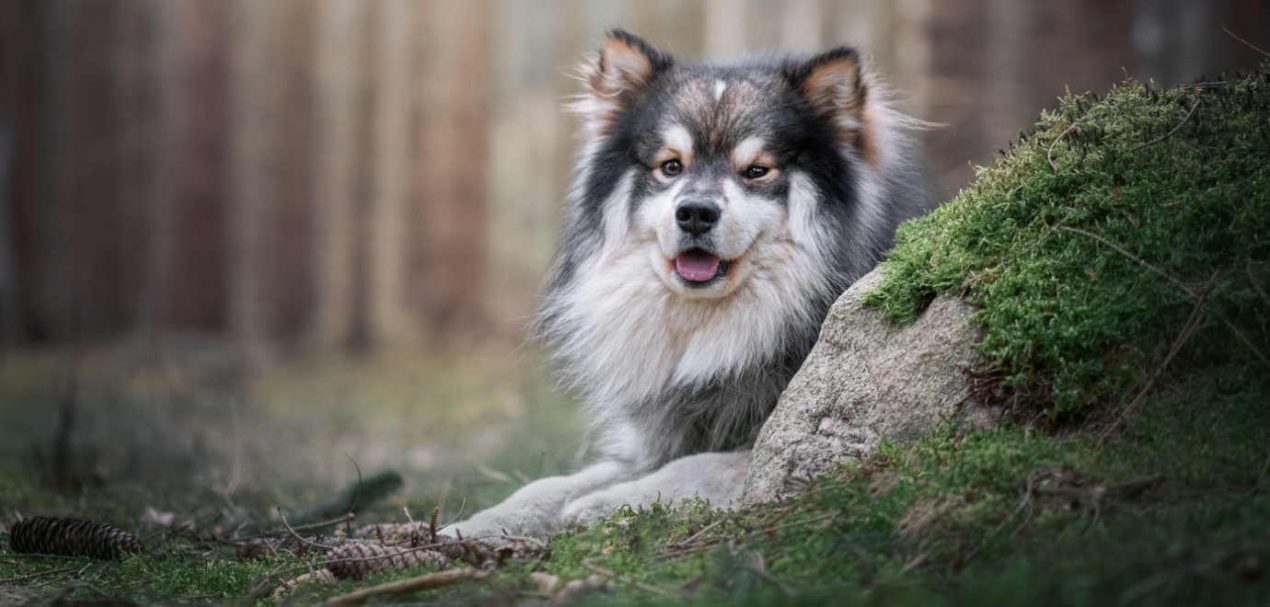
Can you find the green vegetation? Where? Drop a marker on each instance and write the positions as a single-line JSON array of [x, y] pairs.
[[1088, 245], [1175, 513], [1119, 256]]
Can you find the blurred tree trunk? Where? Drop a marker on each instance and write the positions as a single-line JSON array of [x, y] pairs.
[[450, 264], [1250, 20], [340, 95], [288, 257], [122, 220], [54, 288], [184, 286], [255, 108], [14, 20], [725, 29], [801, 26], [395, 90]]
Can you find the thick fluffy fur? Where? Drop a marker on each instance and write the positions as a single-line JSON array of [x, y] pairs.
[[716, 213]]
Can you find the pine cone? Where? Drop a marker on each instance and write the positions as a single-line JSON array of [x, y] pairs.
[[355, 560], [491, 552], [71, 537]]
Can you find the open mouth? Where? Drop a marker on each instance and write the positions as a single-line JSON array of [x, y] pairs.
[[698, 268]]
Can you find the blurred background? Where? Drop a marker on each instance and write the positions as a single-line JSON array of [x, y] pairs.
[[301, 232], [353, 174]]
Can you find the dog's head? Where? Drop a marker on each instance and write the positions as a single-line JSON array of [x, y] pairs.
[[713, 170]]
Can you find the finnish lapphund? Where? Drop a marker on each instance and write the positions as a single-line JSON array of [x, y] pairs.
[[715, 213]]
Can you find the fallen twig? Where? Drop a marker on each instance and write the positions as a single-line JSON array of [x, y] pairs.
[[1188, 330], [1245, 42], [1170, 133], [289, 530], [1177, 283], [298, 537], [759, 566], [427, 581], [693, 537], [590, 565], [432, 524], [1049, 153]]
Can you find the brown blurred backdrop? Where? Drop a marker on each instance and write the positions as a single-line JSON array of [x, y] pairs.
[[362, 174]]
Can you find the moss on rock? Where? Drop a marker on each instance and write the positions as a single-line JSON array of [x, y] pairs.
[[1088, 244]]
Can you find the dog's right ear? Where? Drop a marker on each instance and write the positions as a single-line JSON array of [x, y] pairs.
[[623, 67], [626, 63]]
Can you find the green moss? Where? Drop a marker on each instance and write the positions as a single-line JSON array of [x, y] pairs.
[[1080, 244]]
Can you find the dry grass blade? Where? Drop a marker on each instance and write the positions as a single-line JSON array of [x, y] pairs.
[[290, 530], [1188, 330], [1245, 42], [1049, 153], [590, 565], [1243, 338], [1174, 130], [428, 581]]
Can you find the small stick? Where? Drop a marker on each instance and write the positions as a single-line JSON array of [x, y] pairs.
[[309, 527], [596, 569], [1177, 283], [1171, 132], [1184, 336], [432, 524], [298, 536], [696, 535], [1252, 279], [426, 581], [1245, 42], [1049, 153]]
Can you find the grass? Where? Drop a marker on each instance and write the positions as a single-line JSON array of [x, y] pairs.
[[1175, 513], [1118, 256], [193, 435]]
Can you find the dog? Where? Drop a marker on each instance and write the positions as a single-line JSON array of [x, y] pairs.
[[715, 213]]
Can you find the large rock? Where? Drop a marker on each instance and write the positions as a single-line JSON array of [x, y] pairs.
[[868, 380]]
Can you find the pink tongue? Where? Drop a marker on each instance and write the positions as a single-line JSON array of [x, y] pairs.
[[697, 266]]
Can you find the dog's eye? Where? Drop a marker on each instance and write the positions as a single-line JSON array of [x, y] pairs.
[[671, 167], [755, 172]]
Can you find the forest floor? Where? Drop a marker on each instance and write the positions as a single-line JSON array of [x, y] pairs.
[[1176, 510], [187, 448]]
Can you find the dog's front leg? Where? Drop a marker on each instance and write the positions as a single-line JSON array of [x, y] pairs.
[[535, 509], [719, 478]]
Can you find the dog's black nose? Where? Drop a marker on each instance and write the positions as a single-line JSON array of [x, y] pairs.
[[697, 215]]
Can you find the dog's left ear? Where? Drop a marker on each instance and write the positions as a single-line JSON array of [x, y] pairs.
[[833, 84]]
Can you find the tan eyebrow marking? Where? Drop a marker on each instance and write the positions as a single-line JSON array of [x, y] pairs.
[[750, 151], [677, 143]]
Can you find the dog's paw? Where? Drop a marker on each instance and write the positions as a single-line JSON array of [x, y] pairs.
[[484, 527], [590, 508]]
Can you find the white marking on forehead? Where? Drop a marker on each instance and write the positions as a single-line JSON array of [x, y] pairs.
[[747, 151], [677, 138], [719, 87]]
